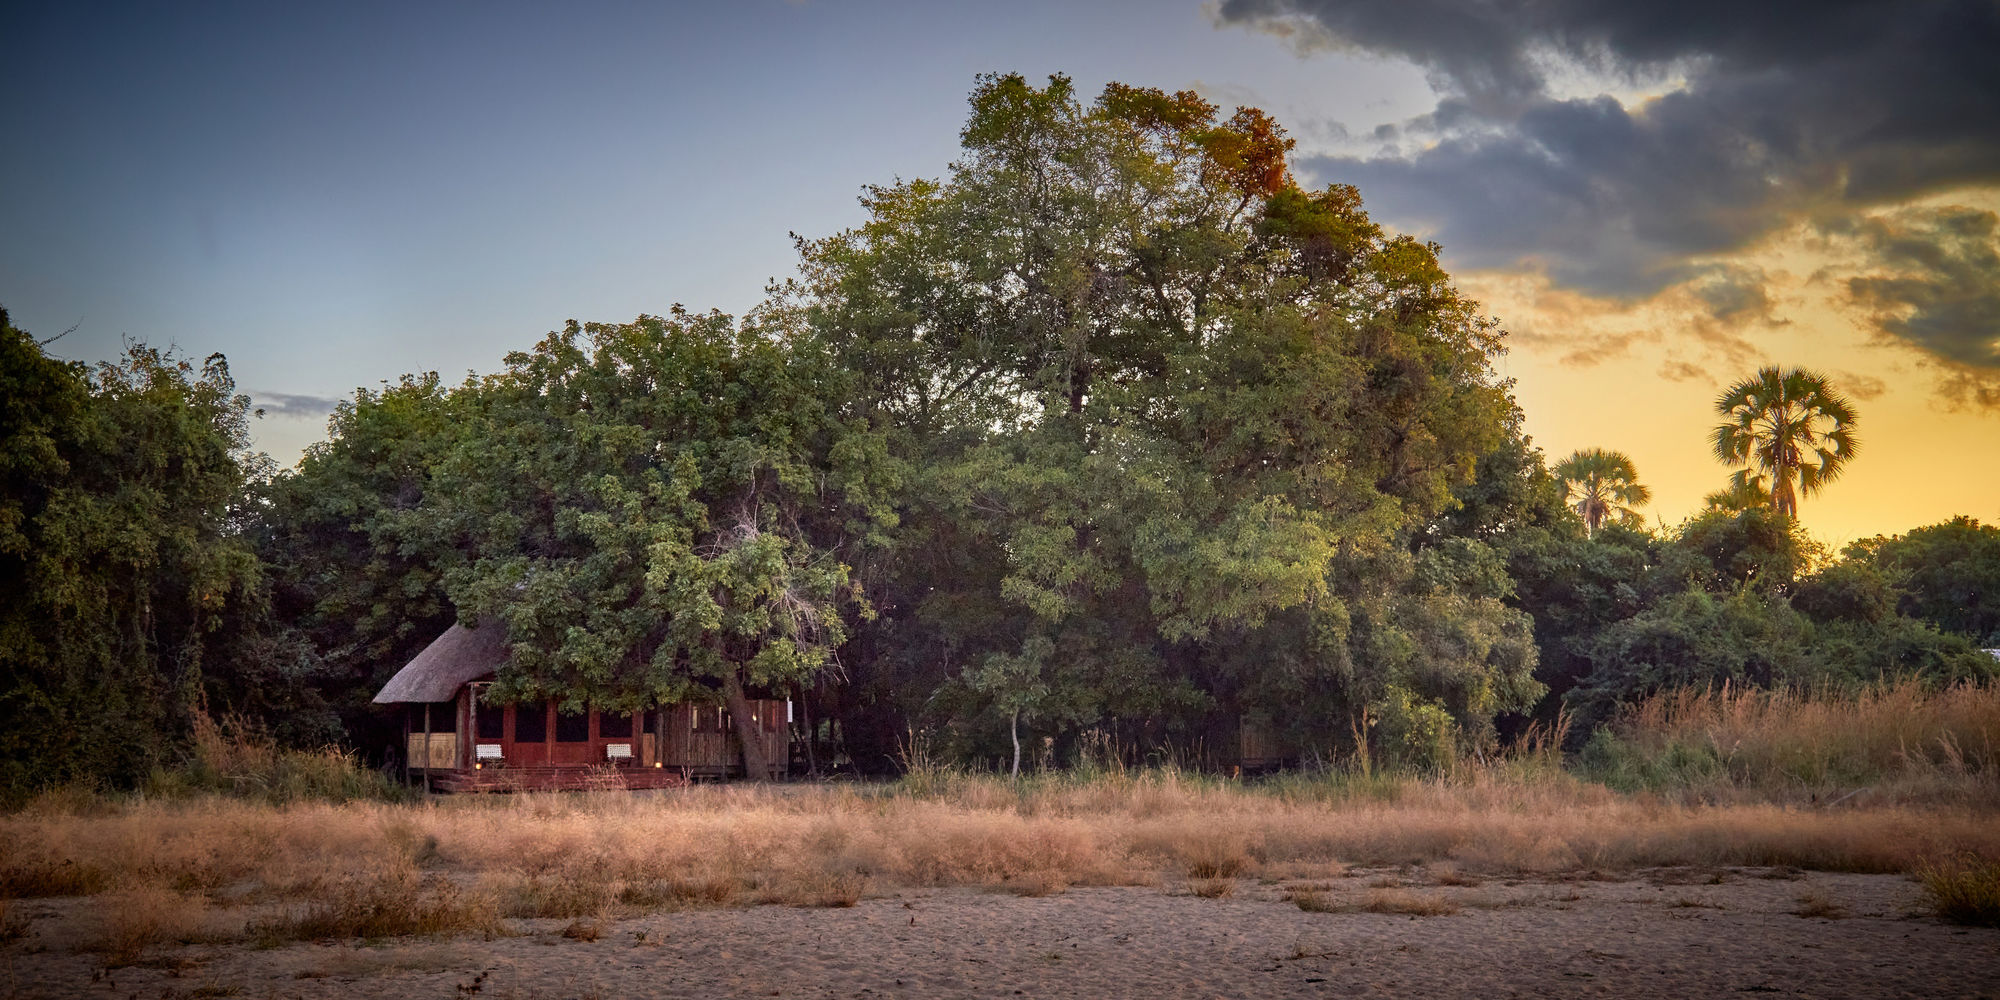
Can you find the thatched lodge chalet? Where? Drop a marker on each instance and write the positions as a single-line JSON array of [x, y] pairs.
[[454, 740]]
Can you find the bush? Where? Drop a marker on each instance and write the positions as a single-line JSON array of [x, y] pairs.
[[1416, 733], [234, 758]]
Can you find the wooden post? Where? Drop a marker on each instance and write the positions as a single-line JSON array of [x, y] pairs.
[[427, 748], [812, 734]]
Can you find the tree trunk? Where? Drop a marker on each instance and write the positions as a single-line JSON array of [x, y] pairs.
[[1014, 730], [748, 735]]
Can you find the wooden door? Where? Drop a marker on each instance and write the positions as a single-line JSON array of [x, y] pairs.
[[571, 742], [528, 730]]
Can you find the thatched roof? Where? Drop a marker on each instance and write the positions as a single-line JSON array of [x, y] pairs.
[[459, 655]]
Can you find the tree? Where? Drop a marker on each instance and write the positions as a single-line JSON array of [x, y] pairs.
[[120, 555], [658, 512], [1947, 574], [1149, 389], [346, 546], [1744, 492], [1791, 427], [1601, 484]]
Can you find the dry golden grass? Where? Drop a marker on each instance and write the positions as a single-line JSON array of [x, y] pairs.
[[1403, 901], [1312, 900], [384, 905], [1212, 888], [1902, 741], [568, 856], [1965, 889], [134, 920], [466, 865], [1818, 903]]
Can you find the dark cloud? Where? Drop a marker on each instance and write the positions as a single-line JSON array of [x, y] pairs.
[[1736, 294], [1936, 280], [1784, 111], [284, 404]]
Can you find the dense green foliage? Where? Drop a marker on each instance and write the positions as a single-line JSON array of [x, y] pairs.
[[122, 574], [1114, 434], [1946, 574], [1175, 425]]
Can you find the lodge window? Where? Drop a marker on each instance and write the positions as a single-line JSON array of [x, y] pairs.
[[531, 722], [443, 716], [488, 721], [572, 727], [614, 725]]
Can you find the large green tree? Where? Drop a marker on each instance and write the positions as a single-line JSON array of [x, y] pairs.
[[1791, 428], [346, 546], [1947, 574], [1151, 390], [660, 511], [121, 555]]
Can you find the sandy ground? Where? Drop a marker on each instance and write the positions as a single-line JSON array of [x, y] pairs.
[[1665, 933]]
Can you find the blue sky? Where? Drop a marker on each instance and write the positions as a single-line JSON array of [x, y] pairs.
[[334, 197]]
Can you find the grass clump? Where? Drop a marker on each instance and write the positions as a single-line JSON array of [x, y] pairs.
[[234, 758], [1403, 901], [394, 905], [1964, 890], [1819, 904], [680, 893], [33, 873], [142, 918], [1213, 888], [556, 895], [1313, 900]]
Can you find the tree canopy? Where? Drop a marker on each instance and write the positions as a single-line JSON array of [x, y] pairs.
[[1114, 432]]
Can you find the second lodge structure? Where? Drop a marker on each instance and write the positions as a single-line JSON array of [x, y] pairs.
[[457, 742]]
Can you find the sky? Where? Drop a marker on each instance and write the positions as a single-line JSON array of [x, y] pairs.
[[1655, 198]]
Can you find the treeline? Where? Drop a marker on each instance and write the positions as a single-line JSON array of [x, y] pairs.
[[1114, 430]]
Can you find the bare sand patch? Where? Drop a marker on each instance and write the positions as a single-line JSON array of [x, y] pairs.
[[1668, 932]]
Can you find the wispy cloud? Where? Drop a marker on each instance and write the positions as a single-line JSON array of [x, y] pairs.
[[293, 405]]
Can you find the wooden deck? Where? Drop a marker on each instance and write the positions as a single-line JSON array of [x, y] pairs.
[[553, 779]]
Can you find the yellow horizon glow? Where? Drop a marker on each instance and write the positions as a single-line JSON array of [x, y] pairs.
[[1642, 378]]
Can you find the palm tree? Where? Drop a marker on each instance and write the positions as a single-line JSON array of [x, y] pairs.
[[1791, 427], [1598, 484], [1746, 489]]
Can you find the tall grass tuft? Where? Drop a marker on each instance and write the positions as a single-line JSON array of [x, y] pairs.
[[232, 757], [1964, 889], [1902, 740]]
